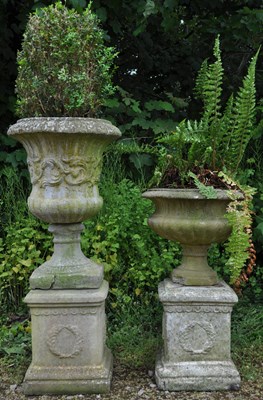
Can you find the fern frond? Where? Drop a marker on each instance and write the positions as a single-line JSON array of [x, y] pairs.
[[224, 133], [237, 245], [239, 215], [209, 89], [244, 110], [208, 192], [201, 80], [212, 87]]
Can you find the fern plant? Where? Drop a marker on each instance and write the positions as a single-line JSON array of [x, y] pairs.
[[216, 142], [219, 139]]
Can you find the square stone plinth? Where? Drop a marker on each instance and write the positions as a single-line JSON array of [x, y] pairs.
[[196, 334], [69, 355]]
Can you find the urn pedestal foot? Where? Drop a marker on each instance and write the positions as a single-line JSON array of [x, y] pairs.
[[69, 355], [68, 267], [194, 269], [196, 334]]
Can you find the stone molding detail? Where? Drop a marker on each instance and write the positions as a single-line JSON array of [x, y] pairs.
[[72, 171], [56, 339], [197, 309], [190, 336], [66, 312]]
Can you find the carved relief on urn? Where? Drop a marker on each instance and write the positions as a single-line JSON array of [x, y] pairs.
[[64, 158]]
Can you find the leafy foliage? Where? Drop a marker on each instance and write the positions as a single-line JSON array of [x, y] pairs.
[[239, 215], [247, 334], [15, 342], [135, 259], [64, 67], [217, 142], [207, 191], [219, 139], [143, 119], [134, 332], [24, 246]]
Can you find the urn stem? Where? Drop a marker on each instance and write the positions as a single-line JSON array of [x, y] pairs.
[[66, 243], [194, 269]]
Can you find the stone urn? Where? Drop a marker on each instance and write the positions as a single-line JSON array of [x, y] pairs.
[[64, 158], [185, 216], [69, 352]]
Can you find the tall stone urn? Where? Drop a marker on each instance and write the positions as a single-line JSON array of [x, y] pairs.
[[68, 293], [197, 305]]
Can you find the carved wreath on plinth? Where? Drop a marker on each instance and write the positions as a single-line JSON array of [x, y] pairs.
[[189, 337], [58, 345], [70, 171]]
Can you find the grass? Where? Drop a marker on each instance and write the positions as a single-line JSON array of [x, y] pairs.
[[134, 334], [135, 340], [247, 340]]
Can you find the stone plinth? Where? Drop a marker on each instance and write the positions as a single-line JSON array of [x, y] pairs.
[[68, 342], [196, 334]]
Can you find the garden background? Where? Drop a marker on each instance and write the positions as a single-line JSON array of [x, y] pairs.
[[160, 45]]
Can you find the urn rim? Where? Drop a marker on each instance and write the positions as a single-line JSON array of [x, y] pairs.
[[189, 194], [64, 125]]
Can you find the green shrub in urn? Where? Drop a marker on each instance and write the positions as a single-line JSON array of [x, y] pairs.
[[64, 67]]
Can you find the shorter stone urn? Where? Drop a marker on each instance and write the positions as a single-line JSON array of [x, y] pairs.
[[197, 307], [67, 303], [185, 216]]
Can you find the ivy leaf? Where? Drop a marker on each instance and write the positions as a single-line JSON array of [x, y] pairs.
[[26, 263], [259, 228], [111, 103], [159, 105], [102, 14], [141, 160], [149, 8], [139, 29], [78, 4]]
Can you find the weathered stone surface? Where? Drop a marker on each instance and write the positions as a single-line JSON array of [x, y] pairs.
[[186, 216], [193, 376], [68, 342], [196, 334], [68, 268], [64, 158]]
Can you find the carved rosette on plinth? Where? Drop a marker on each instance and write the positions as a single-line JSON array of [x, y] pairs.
[[67, 300], [197, 306]]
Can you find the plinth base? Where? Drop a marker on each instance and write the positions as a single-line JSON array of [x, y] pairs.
[[69, 355], [196, 334], [197, 376], [69, 380]]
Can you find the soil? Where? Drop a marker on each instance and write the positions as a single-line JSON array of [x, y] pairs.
[[172, 179], [137, 384]]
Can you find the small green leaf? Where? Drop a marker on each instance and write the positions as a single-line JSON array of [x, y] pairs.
[[26, 263], [159, 105]]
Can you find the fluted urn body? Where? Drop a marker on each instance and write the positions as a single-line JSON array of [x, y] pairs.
[[185, 216], [64, 158]]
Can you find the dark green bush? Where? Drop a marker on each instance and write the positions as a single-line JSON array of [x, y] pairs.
[[64, 68]]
